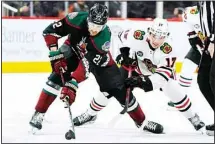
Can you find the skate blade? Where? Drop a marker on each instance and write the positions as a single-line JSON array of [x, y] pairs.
[[202, 130], [210, 133], [33, 131], [87, 123]]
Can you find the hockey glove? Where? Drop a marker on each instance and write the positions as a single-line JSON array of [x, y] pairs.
[[142, 82], [125, 61], [68, 92], [196, 40], [58, 61], [134, 81]]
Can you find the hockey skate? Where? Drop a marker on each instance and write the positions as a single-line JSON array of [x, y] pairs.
[[151, 126], [197, 123], [210, 130], [84, 118], [36, 121]]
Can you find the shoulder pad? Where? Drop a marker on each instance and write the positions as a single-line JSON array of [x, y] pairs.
[[76, 18], [102, 40], [166, 48]]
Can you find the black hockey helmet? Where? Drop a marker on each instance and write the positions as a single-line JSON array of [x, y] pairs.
[[98, 14]]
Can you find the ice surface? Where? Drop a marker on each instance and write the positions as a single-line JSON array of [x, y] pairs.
[[21, 91]]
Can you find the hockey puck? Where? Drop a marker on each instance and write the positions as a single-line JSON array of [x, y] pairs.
[[70, 135]]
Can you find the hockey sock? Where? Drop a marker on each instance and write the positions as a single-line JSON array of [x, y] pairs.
[[179, 98], [185, 79], [98, 103], [135, 112], [47, 96]]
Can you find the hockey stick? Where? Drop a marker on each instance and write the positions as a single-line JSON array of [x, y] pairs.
[[71, 133], [113, 122], [127, 94]]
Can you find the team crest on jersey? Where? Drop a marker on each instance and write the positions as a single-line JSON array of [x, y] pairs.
[[166, 48], [82, 44], [194, 11], [138, 34], [106, 46], [72, 15]]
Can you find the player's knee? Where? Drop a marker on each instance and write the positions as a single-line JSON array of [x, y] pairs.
[[51, 88]]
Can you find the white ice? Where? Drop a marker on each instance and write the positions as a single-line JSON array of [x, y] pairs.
[[21, 91]]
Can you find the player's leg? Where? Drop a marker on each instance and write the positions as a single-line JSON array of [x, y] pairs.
[[210, 128], [114, 85], [97, 104], [204, 78], [52, 89], [135, 111], [182, 102], [189, 66]]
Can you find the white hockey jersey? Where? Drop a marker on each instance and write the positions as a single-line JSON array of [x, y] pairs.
[[192, 18], [149, 59]]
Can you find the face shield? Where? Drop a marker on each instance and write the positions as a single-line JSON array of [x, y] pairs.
[[94, 29]]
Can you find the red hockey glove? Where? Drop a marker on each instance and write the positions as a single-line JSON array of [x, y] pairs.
[[68, 92], [57, 61]]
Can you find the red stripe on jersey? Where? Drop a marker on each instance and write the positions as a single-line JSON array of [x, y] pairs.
[[168, 73], [94, 45], [72, 24]]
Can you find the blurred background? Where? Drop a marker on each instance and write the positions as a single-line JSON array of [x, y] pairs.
[[117, 9]]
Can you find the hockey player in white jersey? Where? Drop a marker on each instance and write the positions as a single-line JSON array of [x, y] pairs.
[[192, 58], [151, 50]]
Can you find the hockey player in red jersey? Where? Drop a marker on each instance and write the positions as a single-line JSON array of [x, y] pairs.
[[85, 51]]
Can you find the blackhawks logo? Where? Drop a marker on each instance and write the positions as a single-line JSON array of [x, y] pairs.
[[166, 48], [194, 11], [138, 34]]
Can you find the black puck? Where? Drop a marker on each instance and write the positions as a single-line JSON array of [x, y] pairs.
[[70, 135]]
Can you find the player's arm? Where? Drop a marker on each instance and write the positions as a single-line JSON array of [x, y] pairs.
[[59, 29], [161, 75]]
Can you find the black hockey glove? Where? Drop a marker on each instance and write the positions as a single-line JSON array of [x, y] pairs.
[[124, 59], [142, 82], [195, 40]]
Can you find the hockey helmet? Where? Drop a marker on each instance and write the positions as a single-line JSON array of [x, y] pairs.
[[159, 28], [98, 14]]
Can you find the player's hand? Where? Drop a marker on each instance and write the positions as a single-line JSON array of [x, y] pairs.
[[58, 61], [134, 81], [211, 49], [196, 42], [68, 92], [126, 61]]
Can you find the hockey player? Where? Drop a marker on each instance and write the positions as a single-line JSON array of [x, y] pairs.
[[151, 50], [85, 51], [191, 62]]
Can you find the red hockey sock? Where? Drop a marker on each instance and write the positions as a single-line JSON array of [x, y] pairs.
[[137, 115], [44, 101]]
